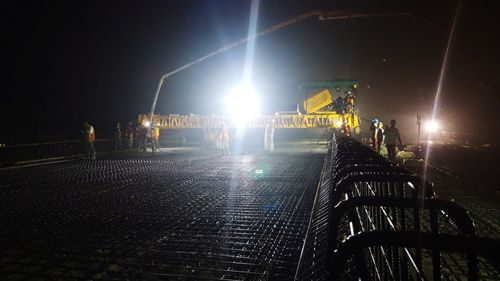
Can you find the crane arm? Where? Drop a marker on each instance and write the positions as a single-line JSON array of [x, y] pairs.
[[230, 46], [322, 15]]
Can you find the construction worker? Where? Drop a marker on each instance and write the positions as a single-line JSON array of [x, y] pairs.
[[373, 130], [338, 105], [269, 137], [392, 136], [224, 139], [89, 139], [118, 137], [210, 139], [142, 137], [349, 101], [346, 128], [379, 136], [155, 138], [130, 134]]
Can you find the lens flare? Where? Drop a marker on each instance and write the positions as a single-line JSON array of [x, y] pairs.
[[242, 103], [432, 126]]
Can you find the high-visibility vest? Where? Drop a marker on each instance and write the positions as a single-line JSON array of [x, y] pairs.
[[155, 133], [349, 100], [91, 134], [347, 130]]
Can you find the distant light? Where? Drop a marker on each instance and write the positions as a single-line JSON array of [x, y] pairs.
[[339, 123], [147, 124], [242, 103], [431, 126]]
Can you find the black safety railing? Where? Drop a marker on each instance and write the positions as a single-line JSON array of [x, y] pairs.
[[12, 154], [20, 153], [378, 213], [364, 196], [454, 246]]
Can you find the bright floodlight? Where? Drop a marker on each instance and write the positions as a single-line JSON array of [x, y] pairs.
[[431, 126], [242, 103], [147, 124]]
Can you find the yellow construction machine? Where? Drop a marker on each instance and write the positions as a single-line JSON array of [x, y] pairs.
[[321, 111]]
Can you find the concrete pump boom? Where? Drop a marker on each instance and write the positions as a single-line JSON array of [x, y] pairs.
[[322, 15]]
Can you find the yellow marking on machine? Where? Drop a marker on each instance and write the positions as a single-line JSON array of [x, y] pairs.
[[316, 102]]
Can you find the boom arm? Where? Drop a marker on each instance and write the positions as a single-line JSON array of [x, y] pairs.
[[322, 15], [230, 46]]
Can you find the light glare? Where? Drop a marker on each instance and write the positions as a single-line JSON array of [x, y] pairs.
[[242, 103], [431, 126]]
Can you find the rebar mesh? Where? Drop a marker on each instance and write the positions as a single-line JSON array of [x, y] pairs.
[[157, 218]]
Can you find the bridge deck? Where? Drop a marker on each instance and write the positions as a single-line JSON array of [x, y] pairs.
[[157, 218]]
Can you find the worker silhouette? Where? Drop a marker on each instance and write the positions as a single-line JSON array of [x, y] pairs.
[[142, 137], [155, 138], [269, 137], [338, 105], [373, 130], [392, 136], [118, 137], [224, 139], [89, 139], [348, 101], [130, 134], [379, 136]]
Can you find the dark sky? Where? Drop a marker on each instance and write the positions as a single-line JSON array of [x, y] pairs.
[[69, 61]]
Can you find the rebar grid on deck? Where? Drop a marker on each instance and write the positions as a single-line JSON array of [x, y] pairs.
[[157, 219]]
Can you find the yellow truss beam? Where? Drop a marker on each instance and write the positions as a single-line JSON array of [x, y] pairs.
[[285, 121]]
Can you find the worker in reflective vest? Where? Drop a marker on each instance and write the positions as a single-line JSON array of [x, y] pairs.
[[269, 137], [349, 101], [155, 138], [224, 139], [89, 138], [346, 129]]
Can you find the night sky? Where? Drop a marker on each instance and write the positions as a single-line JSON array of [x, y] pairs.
[[69, 61]]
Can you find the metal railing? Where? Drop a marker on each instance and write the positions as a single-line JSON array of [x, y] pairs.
[[14, 154], [21, 153], [355, 247], [363, 197], [387, 261]]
